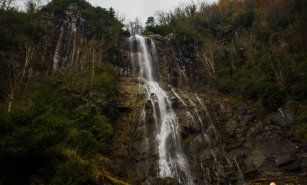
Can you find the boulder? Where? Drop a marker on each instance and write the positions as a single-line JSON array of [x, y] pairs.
[[284, 159]]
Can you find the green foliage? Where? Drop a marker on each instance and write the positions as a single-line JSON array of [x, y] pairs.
[[297, 80], [300, 128], [185, 34], [259, 51], [245, 19], [75, 172], [161, 29], [59, 127], [101, 22], [57, 6], [16, 29], [55, 132], [150, 23]]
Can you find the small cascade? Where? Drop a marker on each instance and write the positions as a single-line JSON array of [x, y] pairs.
[[172, 161], [196, 110]]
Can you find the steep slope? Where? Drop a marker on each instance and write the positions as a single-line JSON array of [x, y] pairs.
[[58, 88], [234, 74], [217, 98], [224, 142]]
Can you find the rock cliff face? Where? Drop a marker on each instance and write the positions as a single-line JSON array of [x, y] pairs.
[[224, 142], [68, 42]]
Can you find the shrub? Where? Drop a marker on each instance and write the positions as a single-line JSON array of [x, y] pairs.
[[42, 120], [74, 172]]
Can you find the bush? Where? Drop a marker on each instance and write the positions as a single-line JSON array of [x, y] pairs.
[[245, 19], [43, 124], [17, 29], [74, 172], [161, 29]]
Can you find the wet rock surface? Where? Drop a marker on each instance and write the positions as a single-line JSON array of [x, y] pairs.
[[225, 143]]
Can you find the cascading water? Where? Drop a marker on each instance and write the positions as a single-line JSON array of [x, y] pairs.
[[172, 161]]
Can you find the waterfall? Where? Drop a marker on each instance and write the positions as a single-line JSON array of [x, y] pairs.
[[172, 161]]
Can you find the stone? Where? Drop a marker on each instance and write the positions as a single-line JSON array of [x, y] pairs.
[[283, 118], [285, 159], [290, 166], [251, 173], [256, 158], [269, 151], [157, 37], [303, 163], [247, 118]]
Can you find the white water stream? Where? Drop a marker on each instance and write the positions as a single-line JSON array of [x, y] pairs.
[[172, 161]]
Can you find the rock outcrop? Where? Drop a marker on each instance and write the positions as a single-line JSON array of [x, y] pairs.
[[225, 142], [68, 42]]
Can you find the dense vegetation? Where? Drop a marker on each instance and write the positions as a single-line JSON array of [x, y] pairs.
[[58, 131], [101, 23], [56, 128], [253, 51]]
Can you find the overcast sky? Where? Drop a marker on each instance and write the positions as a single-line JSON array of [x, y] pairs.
[[141, 8]]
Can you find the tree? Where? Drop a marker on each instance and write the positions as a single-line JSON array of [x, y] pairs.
[[190, 10], [112, 12], [6, 4], [150, 22], [163, 18], [135, 26], [32, 6]]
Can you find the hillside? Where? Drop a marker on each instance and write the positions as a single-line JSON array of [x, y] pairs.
[[206, 94], [252, 51], [58, 86]]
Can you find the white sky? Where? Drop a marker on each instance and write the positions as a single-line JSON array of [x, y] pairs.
[[141, 8]]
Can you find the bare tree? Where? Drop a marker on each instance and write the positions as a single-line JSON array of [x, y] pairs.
[[190, 10], [204, 8], [206, 56], [32, 6], [179, 12], [6, 4], [18, 75], [120, 18], [135, 26], [161, 17]]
